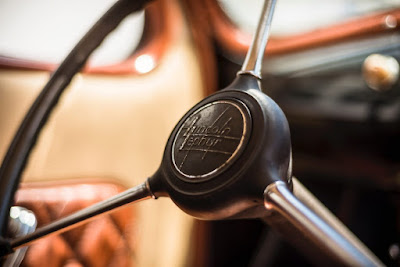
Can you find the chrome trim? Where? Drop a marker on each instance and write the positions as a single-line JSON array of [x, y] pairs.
[[253, 63], [22, 221], [322, 228]]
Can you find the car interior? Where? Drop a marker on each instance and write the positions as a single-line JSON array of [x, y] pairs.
[[331, 66]]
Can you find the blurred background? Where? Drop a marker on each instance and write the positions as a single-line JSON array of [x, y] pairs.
[[332, 66]]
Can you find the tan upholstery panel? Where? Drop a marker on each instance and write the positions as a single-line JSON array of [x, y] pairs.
[[114, 127]]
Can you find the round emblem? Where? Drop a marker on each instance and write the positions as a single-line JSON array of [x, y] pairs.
[[210, 139]]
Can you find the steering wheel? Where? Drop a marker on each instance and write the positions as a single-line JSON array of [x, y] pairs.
[[229, 157]]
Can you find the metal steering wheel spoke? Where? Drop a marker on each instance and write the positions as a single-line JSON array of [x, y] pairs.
[[134, 194], [317, 224]]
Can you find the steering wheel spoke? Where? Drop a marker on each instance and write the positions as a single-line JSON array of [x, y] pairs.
[[306, 214], [134, 194]]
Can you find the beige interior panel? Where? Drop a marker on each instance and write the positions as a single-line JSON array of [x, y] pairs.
[[113, 127]]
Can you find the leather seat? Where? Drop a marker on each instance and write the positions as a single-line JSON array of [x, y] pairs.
[[104, 241]]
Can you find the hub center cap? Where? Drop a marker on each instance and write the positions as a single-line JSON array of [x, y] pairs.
[[210, 139]]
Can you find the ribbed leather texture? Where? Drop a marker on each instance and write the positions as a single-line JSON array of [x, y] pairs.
[[105, 241]]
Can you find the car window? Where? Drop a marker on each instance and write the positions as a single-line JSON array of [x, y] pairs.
[[295, 16], [46, 30]]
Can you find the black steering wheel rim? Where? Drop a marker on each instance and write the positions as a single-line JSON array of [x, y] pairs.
[[25, 138]]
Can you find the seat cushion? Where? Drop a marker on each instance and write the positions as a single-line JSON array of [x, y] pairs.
[[106, 240]]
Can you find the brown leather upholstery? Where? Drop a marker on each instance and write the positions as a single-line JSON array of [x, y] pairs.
[[104, 241]]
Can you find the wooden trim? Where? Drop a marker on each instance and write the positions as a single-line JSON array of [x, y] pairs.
[[237, 42], [162, 25], [200, 28], [201, 246]]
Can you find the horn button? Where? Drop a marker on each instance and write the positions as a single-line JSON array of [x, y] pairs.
[[224, 152], [210, 139]]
